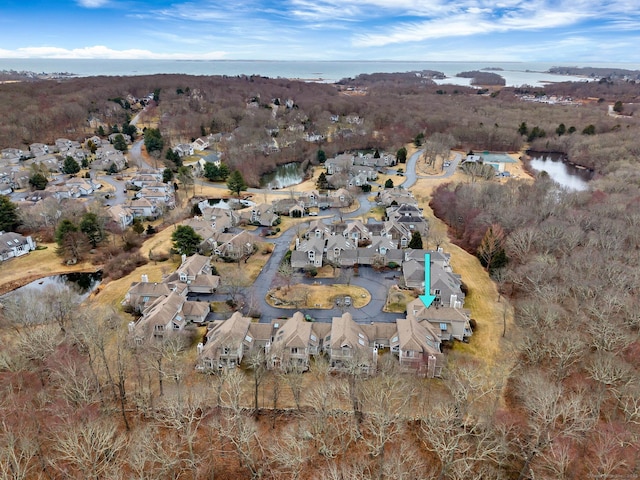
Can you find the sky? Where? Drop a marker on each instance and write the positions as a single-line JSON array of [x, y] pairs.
[[575, 31]]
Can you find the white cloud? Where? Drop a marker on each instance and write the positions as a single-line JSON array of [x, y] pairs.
[[473, 22], [102, 52], [92, 3]]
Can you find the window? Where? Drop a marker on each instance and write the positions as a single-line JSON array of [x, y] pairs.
[[394, 339], [248, 339], [443, 327], [361, 342], [226, 350], [436, 291], [294, 350], [314, 338]]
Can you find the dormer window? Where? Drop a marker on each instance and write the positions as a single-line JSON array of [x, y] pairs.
[[183, 277]]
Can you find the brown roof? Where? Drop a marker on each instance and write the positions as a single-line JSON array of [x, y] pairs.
[[229, 333], [344, 331]]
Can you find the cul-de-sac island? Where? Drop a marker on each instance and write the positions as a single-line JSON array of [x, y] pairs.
[[379, 278]]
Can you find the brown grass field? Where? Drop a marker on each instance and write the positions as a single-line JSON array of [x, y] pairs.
[[318, 296]]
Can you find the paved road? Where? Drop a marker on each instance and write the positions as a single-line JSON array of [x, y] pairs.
[[119, 197]]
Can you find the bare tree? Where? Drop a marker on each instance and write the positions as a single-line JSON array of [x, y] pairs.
[[91, 448], [258, 365], [289, 452], [17, 455], [184, 416], [552, 413], [238, 428], [330, 427], [385, 399]]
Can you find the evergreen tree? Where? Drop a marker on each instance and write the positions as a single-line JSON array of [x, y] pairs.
[[235, 182], [38, 181], [416, 241], [185, 240], [401, 155], [167, 175], [9, 219], [64, 228], [388, 183], [523, 129], [153, 140], [130, 130], [90, 225], [70, 166], [321, 156], [322, 182], [137, 226], [119, 143]]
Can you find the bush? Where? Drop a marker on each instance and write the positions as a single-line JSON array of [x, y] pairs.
[[158, 256], [311, 271], [123, 265]]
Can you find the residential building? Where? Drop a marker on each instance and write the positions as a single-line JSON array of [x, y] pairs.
[[15, 245]]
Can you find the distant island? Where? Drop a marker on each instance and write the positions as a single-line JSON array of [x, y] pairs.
[[483, 78]]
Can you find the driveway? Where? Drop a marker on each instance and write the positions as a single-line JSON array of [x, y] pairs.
[[119, 197]]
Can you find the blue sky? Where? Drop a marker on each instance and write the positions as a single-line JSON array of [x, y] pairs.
[[573, 32]]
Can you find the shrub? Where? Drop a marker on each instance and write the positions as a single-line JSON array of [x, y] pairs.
[[123, 265], [158, 256]]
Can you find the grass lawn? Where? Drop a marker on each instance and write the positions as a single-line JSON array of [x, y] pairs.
[[487, 343], [317, 296], [40, 263], [398, 299]]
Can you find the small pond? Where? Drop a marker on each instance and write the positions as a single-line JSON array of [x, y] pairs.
[[562, 172], [83, 283], [283, 176]]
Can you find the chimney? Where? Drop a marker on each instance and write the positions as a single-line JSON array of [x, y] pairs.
[[184, 257], [145, 278]]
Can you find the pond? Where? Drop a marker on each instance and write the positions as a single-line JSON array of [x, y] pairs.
[[83, 283], [283, 176], [562, 172]]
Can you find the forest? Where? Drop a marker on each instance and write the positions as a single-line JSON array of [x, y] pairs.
[[77, 401]]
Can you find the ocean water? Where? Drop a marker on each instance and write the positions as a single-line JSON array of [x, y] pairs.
[[515, 73]]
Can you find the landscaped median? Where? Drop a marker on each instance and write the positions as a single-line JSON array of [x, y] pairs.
[[317, 296]]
